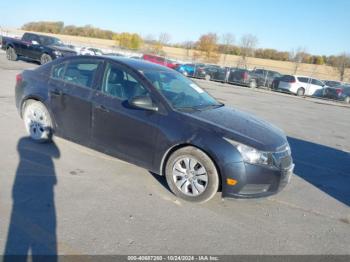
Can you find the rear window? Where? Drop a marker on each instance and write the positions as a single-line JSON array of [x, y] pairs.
[[288, 78]]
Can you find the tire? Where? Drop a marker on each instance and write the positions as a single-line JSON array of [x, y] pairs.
[[300, 91], [347, 100], [192, 175], [252, 84], [207, 77], [37, 121], [45, 58], [11, 54]]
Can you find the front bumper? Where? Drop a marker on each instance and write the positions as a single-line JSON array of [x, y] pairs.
[[254, 181]]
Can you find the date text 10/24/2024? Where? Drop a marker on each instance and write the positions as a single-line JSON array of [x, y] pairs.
[[173, 258]]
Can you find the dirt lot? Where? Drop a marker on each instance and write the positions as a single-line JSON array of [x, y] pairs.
[[72, 200]]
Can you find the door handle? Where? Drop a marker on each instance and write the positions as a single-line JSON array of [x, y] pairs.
[[56, 92], [102, 108]]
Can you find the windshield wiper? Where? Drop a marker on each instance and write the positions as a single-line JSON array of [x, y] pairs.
[[212, 106]]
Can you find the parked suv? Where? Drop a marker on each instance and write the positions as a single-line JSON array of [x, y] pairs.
[[242, 77], [264, 77], [301, 85], [217, 73]]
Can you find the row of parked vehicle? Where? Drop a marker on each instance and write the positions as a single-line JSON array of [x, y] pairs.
[[44, 49], [294, 84]]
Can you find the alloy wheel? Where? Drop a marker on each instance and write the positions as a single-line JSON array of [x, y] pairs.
[[36, 122]]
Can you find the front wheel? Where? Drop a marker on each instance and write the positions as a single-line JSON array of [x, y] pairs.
[[37, 121], [11, 54], [45, 58], [207, 77], [347, 100], [192, 175]]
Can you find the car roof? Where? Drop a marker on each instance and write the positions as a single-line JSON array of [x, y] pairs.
[[136, 64]]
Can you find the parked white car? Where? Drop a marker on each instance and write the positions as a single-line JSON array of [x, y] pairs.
[[301, 85], [90, 51]]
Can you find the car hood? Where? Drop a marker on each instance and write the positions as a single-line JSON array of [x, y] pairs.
[[62, 48], [242, 127]]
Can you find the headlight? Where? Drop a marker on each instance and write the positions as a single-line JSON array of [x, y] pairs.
[[252, 155], [57, 53]]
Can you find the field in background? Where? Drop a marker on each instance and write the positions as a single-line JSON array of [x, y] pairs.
[[317, 71]]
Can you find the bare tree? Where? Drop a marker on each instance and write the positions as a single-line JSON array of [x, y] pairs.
[[188, 45], [248, 44], [164, 38], [227, 40], [341, 63], [297, 56]]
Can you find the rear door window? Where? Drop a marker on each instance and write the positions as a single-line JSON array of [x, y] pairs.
[[81, 73], [57, 71], [259, 71], [303, 79]]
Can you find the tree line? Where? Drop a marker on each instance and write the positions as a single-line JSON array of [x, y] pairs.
[[208, 47]]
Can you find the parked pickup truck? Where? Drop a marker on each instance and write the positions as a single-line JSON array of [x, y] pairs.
[[36, 47]]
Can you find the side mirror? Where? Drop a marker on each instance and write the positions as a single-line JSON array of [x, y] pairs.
[[35, 42], [143, 102]]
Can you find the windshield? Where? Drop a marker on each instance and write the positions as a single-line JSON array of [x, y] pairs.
[[45, 40], [179, 91]]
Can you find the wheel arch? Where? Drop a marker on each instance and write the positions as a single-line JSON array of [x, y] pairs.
[[38, 99], [176, 147], [9, 45]]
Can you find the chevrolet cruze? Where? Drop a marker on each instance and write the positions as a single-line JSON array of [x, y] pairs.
[[156, 118]]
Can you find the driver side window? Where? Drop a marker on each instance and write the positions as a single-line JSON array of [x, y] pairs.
[[118, 83]]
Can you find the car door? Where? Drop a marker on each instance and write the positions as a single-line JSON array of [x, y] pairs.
[[315, 87], [70, 88], [117, 128], [24, 49], [35, 48]]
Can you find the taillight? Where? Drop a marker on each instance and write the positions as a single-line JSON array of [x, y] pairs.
[[19, 78], [339, 91]]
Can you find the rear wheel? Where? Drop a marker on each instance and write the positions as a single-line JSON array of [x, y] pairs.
[[11, 54], [45, 58], [207, 77], [300, 91], [347, 100], [192, 175], [37, 121], [252, 84]]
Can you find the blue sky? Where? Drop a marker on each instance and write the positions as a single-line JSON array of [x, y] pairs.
[[321, 26]]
